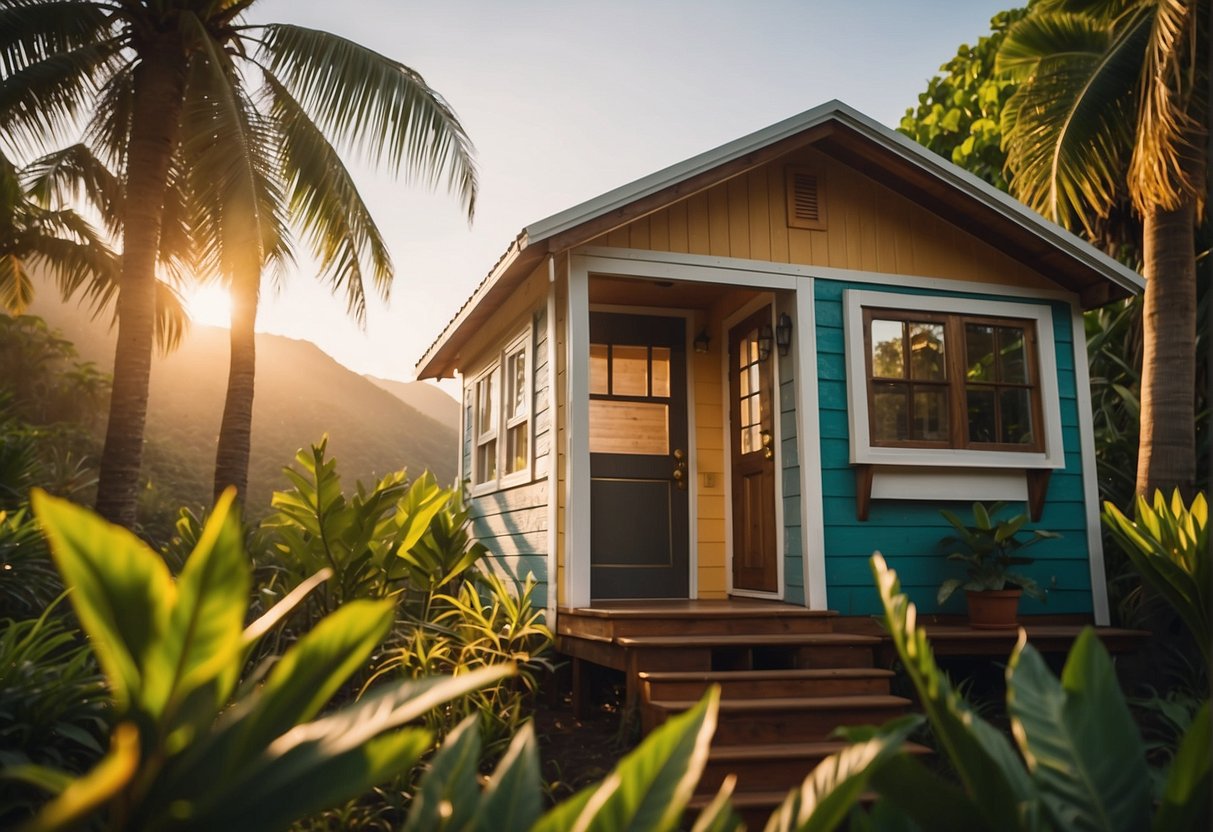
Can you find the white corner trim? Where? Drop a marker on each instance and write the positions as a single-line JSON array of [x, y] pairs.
[[862, 451], [553, 538], [1090, 482], [577, 430], [808, 443]]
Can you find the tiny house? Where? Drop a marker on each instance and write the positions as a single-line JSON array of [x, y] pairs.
[[738, 377]]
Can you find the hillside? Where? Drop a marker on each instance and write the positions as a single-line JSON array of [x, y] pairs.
[[302, 394], [429, 399]]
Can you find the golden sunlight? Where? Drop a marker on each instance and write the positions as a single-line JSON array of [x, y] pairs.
[[209, 304]]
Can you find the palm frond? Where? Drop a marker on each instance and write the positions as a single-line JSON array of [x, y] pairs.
[[75, 266], [1068, 127], [1165, 167], [326, 204], [31, 32], [108, 130], [74, 173], [374, 105], [237, 195], [16, 288], [42, 100]]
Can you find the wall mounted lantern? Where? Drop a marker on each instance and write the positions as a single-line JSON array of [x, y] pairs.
[[783, 334], [702, 340], [766, 340]]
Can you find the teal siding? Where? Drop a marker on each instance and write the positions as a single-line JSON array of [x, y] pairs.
[[513, 523], [908, 533]]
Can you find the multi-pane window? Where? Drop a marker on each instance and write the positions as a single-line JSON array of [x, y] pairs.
[[749, 394], [951, 381], [517, 411], [629, 399], [486, 426], [501, 416]]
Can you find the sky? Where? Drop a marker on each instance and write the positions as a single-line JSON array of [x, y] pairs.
[[567, 100]]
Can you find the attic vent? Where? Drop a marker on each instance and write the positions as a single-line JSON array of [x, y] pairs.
[[806, 198]]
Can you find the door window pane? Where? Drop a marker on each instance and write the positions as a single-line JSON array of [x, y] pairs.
[[888, 360], [629, 427], [599, 355], [515, 378], [661, 371], [516, 446], [629, 371]]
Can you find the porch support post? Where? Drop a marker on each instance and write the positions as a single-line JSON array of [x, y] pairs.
[[808, 431], [577, 433], [1090, 483]]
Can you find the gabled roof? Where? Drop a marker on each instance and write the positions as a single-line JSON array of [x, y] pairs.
[[849, 136]]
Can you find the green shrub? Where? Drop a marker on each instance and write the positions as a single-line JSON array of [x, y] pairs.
[[192, 748], [54, 709], [29, 583]]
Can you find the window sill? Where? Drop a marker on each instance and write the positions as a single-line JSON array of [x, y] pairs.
[[1022, 484], [948, 458]]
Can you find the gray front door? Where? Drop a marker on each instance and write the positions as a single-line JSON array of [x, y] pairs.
[[639, 514]]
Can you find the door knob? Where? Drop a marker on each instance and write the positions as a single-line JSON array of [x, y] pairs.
[[680, 469], [768, 452]]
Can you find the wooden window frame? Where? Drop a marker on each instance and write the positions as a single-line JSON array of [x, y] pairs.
[[955, 384], [502, 424]]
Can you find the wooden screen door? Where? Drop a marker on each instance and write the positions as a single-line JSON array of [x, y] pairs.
[[639, 519], [752, 441]]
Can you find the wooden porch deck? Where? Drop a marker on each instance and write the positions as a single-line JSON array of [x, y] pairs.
[[788, 676]]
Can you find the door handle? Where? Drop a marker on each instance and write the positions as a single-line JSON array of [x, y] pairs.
[[680, 469], [768, 452]]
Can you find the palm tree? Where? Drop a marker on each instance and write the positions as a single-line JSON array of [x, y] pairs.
[[163, 87], [1112, 97], [37, 233]]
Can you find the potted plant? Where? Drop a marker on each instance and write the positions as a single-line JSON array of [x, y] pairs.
[[991, 548]]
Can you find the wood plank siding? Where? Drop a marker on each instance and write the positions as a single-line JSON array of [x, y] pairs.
[[869, 227]]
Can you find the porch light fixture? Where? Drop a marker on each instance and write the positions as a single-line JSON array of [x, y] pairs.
[[783, 334], [766, 340], [702, 341]]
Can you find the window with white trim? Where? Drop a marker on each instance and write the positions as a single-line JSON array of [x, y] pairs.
[[947, 381], [501, 417]]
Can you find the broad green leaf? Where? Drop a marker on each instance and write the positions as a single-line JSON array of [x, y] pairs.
[[90, 792], [562, 816], [449, 793], [718, 816], [991, 772], [255, 631], [332, 747], [513, 798], [650, 787], [1187, 793], [121, 590], [424, 499], [312, 671], [1078, 738], [834, 787], [203, 640], [921, 794]]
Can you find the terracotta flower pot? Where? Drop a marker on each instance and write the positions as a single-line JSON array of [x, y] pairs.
[[994, 609]]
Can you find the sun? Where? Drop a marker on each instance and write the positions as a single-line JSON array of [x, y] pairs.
[[209, 304]]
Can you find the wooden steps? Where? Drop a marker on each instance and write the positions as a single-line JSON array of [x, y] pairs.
[[787, 682]]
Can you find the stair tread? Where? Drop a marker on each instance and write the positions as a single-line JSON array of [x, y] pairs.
[[819, 703], [765, 675], [742, 800], [748, 640], [790, 751], [700, 610]]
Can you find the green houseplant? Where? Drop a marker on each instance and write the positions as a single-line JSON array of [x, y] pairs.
[[991, 548]]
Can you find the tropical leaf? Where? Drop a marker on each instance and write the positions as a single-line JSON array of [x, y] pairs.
[[1186, 796], [1080, 742], [834, 787], [86, 794], [121, 591], [449, 793], [718, 815], [513, 798]]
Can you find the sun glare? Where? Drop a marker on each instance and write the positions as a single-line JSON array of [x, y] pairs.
[[209, 304]]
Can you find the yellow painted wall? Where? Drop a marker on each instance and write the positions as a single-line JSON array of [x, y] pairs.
[[869, 227]]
